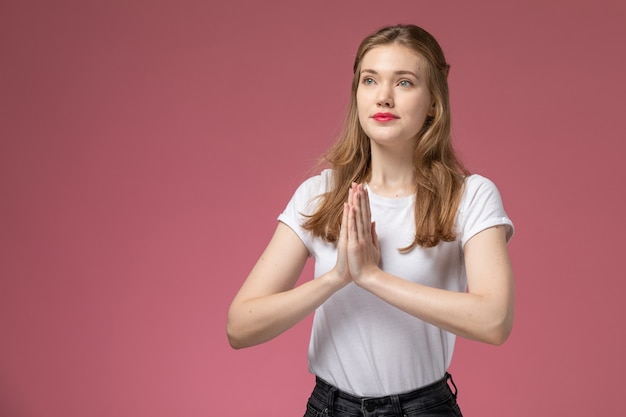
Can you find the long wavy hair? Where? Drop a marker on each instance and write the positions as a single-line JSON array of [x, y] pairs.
[[439, 174]]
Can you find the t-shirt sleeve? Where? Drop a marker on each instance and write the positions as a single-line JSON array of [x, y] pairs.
[[481, 208], [302, 203]]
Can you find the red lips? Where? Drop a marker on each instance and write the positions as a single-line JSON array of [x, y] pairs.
[[384, 117]]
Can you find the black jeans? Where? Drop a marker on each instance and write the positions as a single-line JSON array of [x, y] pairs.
[[434, 400]]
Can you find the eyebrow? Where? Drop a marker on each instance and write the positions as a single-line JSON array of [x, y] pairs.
[[401, 72]]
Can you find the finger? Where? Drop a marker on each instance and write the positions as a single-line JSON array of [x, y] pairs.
[[365, 217], [353, 233], [343, 231], [350, 195], [367, 203], [365, 207], [374, 235], [358, 214], [356, 190]]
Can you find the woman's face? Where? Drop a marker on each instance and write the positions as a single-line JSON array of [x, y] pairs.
[[392, 97]]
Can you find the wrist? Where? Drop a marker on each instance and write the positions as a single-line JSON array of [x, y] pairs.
[[367, 278], [335, 279]]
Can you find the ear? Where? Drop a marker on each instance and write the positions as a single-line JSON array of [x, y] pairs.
[[432, 110]]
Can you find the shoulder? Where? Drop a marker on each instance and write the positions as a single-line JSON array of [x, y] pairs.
[[476, 181], [481, 206], [306, 196], [476, 187], [316, 185]]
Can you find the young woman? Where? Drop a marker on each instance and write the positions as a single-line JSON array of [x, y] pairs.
[[409, 248]]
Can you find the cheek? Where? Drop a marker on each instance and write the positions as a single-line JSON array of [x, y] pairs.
[[359, 98], [361, 112], [361, 107]]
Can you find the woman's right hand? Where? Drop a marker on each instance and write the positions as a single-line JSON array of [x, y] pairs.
[[268, 302], [341, 269]]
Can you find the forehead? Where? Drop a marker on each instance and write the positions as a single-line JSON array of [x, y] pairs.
[[392, 57]]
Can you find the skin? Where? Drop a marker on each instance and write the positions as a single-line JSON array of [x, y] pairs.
[[392, 80], [268, 303]]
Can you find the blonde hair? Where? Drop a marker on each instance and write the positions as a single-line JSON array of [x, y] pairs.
[[439, 173]]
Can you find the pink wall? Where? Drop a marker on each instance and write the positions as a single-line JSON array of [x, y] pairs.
[[146, 149]]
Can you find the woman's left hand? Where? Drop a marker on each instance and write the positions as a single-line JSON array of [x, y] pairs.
[[363, 249]]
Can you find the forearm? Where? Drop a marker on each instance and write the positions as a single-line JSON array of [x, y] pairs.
[[257, 320], [484, 314], [480, 317]]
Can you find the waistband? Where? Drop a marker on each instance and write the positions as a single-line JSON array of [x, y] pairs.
[[436, 392]]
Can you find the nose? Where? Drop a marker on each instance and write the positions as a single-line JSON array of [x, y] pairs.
[[385, 97]]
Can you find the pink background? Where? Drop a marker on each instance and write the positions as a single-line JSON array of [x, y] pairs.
[[146, 149]]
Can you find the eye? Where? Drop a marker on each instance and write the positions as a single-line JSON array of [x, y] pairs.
[[368, 81], [405, 83]]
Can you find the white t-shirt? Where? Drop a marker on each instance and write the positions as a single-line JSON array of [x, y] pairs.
[[363, 345]]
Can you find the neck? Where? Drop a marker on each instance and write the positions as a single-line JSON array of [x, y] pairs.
[[392, 173]]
